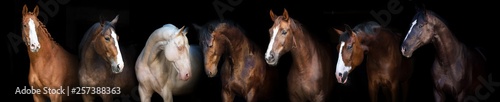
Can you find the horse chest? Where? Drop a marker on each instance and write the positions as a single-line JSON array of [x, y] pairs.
[[447, 78]]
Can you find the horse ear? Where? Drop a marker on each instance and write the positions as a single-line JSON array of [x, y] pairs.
[[285, 15], [113, 22], [196, 26], [185, 30], [25, 9], [182, 31], [101, 20], [273, 16], [338, 31], [347, 28], [36, 10]]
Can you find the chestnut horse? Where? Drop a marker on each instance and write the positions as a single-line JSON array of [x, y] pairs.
[[311, 77], [385, 66], [51, 66], [102, 64], [244, 71], [456, 66], [168, 65]]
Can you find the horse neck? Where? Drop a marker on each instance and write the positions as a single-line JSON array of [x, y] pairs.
[[382, 37], [152, 47], [304, 46], [48, 45], [448, 47], [238, 45]]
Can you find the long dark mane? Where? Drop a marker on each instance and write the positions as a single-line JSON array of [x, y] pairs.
[[90, 34], [422, 12], [206, 30]]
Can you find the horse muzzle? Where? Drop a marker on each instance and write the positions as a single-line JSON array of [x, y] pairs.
[[34, 47], [211, 71], [271, 59], [405, 51], [342, 77], [117, 67]]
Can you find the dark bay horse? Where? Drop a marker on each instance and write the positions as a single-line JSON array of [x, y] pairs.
[[244, 71], [102, 64], [456, 66], [385, 66], [311, 77], [51, 66]]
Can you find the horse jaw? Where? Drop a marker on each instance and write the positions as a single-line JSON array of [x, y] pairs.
[[342, 70], [33, 44]]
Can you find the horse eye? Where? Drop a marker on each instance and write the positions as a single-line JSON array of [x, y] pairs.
[[283, 32], [349, 46], [420, 26], [106, 38]]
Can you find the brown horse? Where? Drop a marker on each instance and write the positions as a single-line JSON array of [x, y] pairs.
[[244, 72], [385, 66], [311, 77], [102, 65], [51, 66], [456, 66]]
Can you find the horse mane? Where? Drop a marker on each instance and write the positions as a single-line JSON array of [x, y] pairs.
[[208, 28], [367, 27], [421, 13], [87, 37], [44, 30]]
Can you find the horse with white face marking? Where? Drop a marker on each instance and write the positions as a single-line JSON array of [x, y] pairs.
[[168, 65], [311, 77], [51, 66], [103, 63], [385, 66]]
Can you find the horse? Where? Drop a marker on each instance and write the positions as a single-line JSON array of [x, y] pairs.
[[168, 65], [456, 66], [244, 71], [103, 65], [311, 75], [51, 66], [385, 66]]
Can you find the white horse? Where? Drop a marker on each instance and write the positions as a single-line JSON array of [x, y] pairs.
[[168, 65]]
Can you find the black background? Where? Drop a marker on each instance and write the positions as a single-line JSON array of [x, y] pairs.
[[471, 21]]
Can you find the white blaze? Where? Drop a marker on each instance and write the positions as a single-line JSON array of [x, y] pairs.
[[341, 67], [270, 46], [33, 36], [412, 24], [119, 55]]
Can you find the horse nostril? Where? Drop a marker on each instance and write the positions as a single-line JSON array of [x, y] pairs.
[[209, 73], [271, 57], [187, 75], [340, 74]]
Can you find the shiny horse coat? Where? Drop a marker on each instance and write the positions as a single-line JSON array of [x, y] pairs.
[[168, 65]]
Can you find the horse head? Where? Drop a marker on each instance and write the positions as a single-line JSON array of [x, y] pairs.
[[212, 42], [420, 33], [176, 52], [351, 53], [106, 44], [30, 24], [282, 40]]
